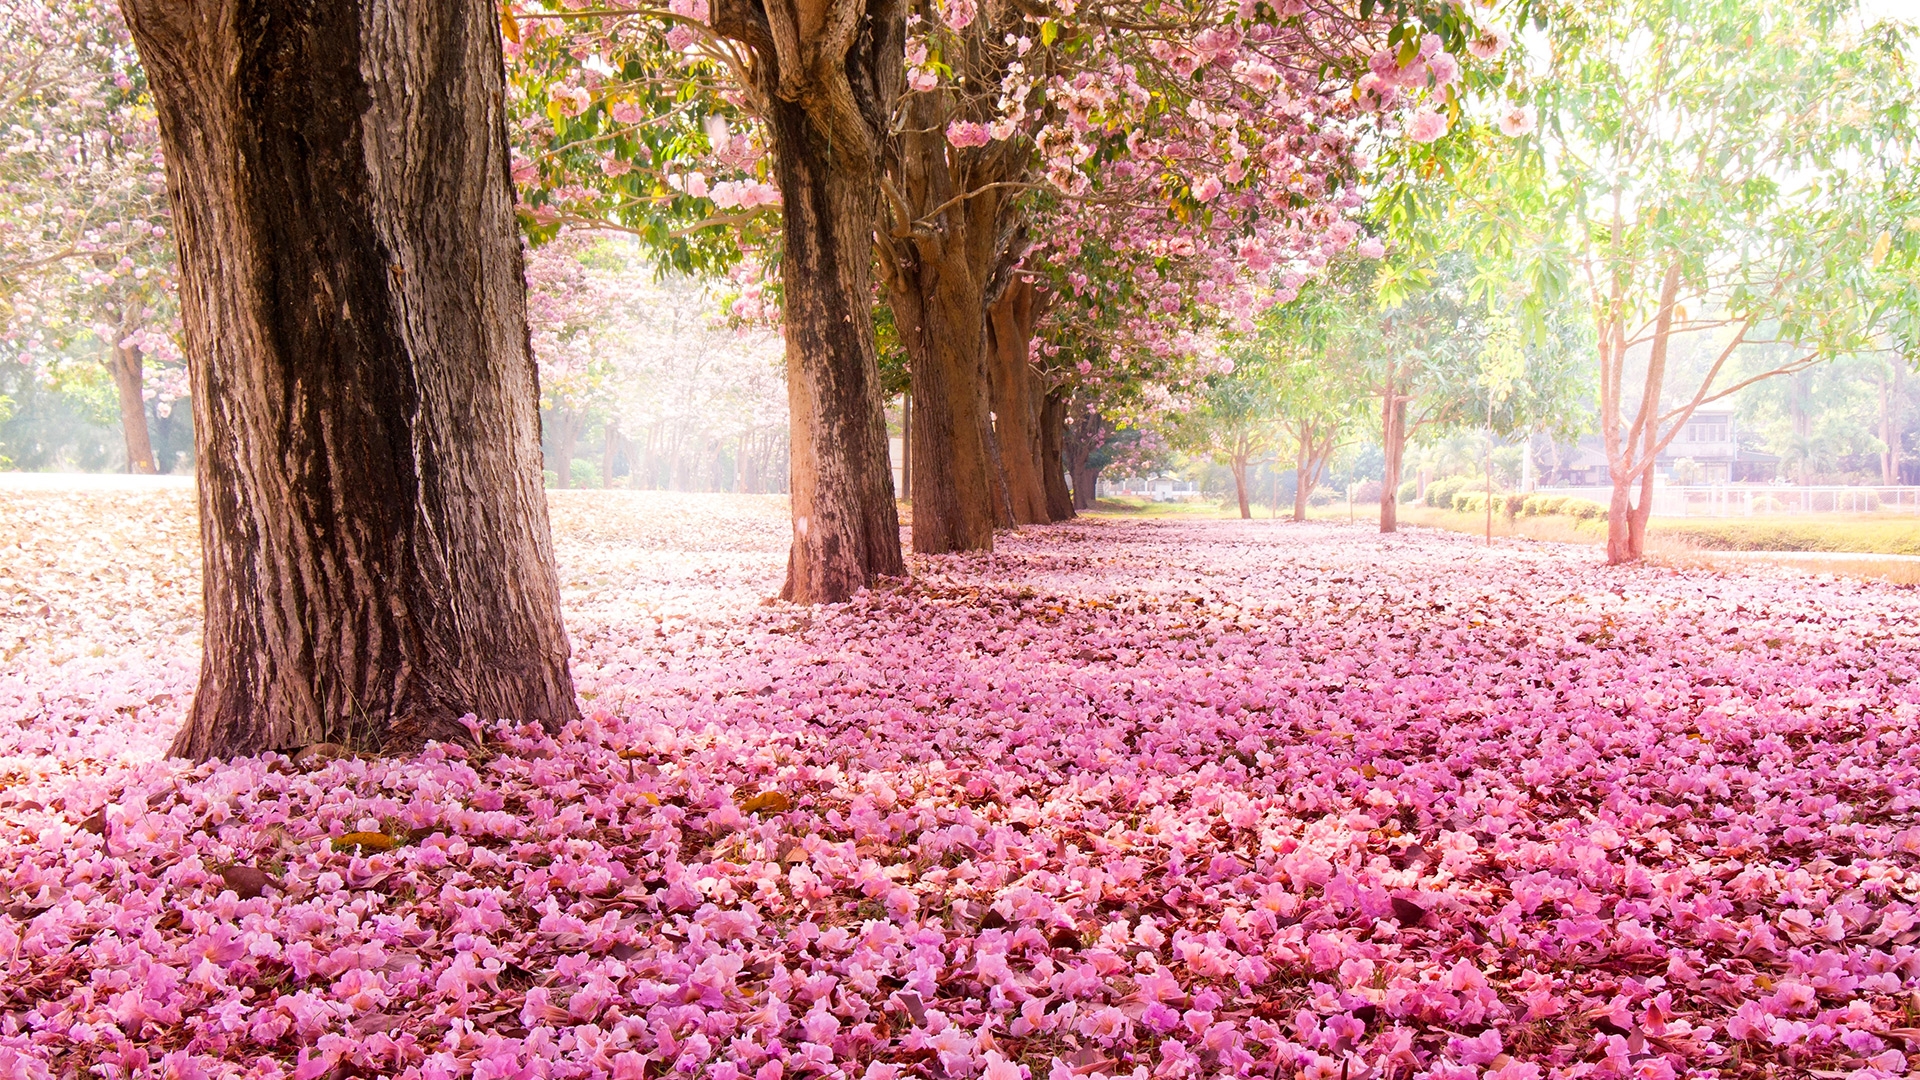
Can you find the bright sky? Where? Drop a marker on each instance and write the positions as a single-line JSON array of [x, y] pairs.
[[1906, 10]]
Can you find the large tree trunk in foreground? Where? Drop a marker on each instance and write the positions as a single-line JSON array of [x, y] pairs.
[[1015, 409], [377, 555], [129, 381], [846, 529], [1053, 454]]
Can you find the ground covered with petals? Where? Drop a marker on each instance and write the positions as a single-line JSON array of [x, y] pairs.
[[1125, 799]]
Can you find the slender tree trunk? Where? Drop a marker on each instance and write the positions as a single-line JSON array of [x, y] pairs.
[[846, 530], [1889, 465], [1240, 483], [129, 381], [1015, 414], [1394, 441], [1303, 470], [1628, 464], [1053, 455], [566, 440], [610, 446], [377, 556]]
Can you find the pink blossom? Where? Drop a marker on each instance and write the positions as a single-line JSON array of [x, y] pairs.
[[1490, 43], [1518, 121], [965, 133], [1426, 126]]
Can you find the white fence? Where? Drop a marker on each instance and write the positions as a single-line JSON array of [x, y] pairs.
[[1762, 500], [1157, 489]]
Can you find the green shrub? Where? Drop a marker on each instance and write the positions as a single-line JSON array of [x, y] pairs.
[[1440, 493], [1409, 491], [1583, 509], [1470, 502], [1510, 505]]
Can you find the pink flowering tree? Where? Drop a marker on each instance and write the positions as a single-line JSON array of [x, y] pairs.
[[86, 260], [947, 119]]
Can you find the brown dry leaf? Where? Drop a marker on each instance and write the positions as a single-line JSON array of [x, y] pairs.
[[365, 841], [247, 882], [773, 802], [318, 754], [1087, 1060]]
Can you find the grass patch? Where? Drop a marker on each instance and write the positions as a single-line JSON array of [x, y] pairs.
[[1134, 506], [1852, 535]]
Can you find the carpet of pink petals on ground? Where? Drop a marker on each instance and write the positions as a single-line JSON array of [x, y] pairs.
[[1127, 799]]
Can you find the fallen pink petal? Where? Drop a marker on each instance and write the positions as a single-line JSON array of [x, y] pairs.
[[1122, 798]]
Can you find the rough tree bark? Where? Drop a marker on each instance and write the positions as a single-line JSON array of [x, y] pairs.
[[377, 555], [126, 364], [1015, 385], [826, 73], [1053, 454], [938, 253]]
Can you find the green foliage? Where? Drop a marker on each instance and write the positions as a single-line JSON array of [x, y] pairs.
[[582, 165], [1560, 505]]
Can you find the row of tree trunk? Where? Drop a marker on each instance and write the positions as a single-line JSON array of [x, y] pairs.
[[378, 560]]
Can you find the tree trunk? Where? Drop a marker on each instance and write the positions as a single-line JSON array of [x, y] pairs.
[[1084, 437], [1303, 470], [1889, 454], [566, 440], [943, 327], [1053, 454], [906, 446], [1240, 485], [609, 449], [129, 380], [1626, 523], [1394, 441], [377, 556], [846, 529], [1015, 410]]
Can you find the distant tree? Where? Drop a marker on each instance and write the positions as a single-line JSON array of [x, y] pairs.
[[86, 258], [1741, 170]]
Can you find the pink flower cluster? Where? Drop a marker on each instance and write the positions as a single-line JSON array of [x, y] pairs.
[[1140, 800]]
